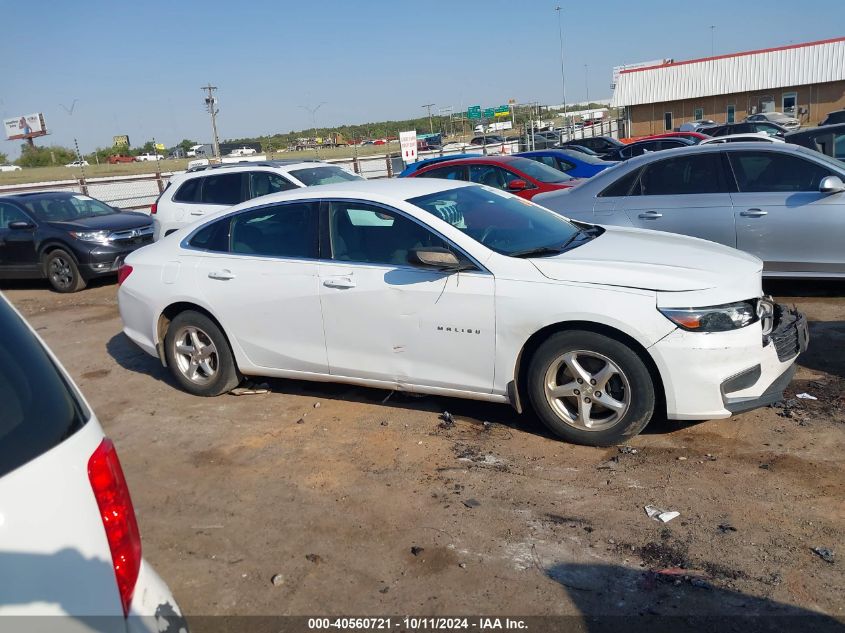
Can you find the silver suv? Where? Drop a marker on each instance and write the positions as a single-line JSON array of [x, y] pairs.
[[202, 190]]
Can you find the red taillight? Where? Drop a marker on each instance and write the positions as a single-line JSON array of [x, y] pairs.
[[118, 516], [154, 208], [123, 272]]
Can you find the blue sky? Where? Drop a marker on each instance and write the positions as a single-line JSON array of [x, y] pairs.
[[136, 67]]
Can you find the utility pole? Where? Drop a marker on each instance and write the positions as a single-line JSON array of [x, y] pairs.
[[430, 125], [211, 106], [313, 112], [587, 82], [712, 40], [562, 73]]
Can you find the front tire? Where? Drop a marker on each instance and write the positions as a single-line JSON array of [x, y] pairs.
[[199, 356], [588, 388], [63, 272]]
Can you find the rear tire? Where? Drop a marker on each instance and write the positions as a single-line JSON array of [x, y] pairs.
[[590, 389], [199, 356], [63, 272]]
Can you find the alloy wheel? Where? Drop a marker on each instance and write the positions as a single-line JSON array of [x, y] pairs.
[[196, 355], [587, 390], [60, 272]]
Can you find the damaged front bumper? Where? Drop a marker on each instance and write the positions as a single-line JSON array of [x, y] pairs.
[[714, 375]]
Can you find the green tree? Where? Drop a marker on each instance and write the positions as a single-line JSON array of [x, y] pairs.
[[186, 144], [45, 156], [3, 158]]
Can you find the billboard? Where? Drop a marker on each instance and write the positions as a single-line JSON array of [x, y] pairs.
[[27, 126], [121, 140]]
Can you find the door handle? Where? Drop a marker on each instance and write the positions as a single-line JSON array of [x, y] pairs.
[[222, 275], [197, 212], [650, 215], [753, 213], [339, 282]]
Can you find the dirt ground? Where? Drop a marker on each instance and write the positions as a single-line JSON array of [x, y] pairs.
[[364, 506]]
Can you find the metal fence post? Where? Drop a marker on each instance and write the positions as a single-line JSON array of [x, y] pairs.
[[389, 164], [355, 167], [83, 186], [159, 182]]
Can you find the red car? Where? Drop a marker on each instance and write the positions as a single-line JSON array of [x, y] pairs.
[[695, 137], [120, 158], [521, 176]]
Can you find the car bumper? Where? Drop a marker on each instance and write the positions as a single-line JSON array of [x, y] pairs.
[[105, 260], [153, 608], [712, 376]]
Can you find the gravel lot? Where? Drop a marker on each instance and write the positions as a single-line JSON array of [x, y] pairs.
[[337, 498]]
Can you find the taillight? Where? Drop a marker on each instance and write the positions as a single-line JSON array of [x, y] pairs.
[[123, 272], [154, 208], [118, 516]]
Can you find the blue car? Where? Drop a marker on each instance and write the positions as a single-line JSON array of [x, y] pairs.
[[571, 162], [410, 169]]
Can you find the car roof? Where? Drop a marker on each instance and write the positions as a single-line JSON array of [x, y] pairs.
[[817, 131], [251, 164], [396, 188], [34, 195], [484, 160]]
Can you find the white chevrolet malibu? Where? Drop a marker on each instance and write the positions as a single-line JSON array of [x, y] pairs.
[[462, 290], [69, 541]]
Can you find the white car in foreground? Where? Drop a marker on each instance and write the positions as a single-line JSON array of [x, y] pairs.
[[205, 189], [69, 541], [463, 290]]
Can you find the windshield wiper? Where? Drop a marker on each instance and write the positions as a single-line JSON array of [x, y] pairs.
[[540, 250]]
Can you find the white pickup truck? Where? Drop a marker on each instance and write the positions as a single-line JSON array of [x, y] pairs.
[[149, 157]]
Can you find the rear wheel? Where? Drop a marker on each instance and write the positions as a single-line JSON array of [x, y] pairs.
[[62, 271], [199, 355], [591, 389]]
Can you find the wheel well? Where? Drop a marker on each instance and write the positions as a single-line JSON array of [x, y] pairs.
[[536, 339], [171, 312], [49, 247]]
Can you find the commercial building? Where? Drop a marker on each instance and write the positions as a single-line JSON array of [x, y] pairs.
[[802, 80]]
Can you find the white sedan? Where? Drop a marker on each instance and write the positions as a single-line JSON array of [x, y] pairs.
[[78, 163], [761, 137], [7, 167], [69, 540], [462, 290]]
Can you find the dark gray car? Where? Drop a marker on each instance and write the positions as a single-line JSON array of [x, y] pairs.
[[783, 203]]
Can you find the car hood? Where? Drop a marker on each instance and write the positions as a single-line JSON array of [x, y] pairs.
[[653, 260], [111, 222]]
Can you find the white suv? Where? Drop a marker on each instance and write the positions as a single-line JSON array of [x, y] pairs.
[[203, 190], [69, 541]]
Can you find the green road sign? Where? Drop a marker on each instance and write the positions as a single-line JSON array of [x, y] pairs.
[[489, 113], [502, 110], [474, 112]]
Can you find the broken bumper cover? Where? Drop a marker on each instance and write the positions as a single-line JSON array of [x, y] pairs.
[[714, 375]]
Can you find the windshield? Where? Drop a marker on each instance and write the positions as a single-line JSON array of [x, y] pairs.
[[502, 222], [591, 159], [539, 171], [65, 209], [323, 175]]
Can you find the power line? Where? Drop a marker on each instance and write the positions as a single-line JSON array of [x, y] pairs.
[[430, 124]]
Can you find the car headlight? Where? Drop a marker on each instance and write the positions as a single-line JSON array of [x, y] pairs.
[[100, 237], [730, 316]]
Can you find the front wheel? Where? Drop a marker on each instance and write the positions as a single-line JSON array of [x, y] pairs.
[[591, 389], [62, 271], [199, 356]]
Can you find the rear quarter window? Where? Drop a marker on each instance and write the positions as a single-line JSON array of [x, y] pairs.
[[38, 408], [189, 191]]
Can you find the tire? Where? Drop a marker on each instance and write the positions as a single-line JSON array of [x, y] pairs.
[[585, 413], [199, 356], [62, 271]]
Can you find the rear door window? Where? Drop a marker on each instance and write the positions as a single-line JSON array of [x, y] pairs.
[[224, 189], [38, 408], [282, 230], [453, 172], [775, 172], [262, 183]]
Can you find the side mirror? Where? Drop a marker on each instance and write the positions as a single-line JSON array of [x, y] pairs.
[[434, 257], [831, 184], [20, 225], [517, 185]]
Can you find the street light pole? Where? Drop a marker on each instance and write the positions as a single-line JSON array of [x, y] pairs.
[[587, 82], [712, 40], [562, 71], [313, 112]]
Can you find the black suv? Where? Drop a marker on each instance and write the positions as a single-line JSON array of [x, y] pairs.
[[67, 238], [827, 139], [601, 145]]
